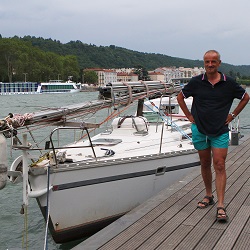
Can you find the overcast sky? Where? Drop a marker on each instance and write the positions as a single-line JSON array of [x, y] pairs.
[[178, 28]]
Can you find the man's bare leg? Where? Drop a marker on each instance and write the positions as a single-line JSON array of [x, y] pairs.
[[219, 158], [206, 172]]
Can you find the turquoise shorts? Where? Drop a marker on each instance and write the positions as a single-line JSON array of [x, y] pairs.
[[202, 141]]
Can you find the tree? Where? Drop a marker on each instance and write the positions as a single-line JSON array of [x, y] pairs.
[[90, 77], [142, 73], [231, 73], [8, 57], [18, 57], [70, 67]]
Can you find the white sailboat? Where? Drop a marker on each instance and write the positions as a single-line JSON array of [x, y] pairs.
[[87, 184]]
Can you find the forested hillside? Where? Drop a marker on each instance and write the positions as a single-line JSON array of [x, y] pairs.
[[90, 55], [20, 58], [116, 57]]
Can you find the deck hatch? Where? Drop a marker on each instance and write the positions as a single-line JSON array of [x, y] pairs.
[[106, 141]]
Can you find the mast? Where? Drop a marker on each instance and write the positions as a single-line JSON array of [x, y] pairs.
[[120, 93]]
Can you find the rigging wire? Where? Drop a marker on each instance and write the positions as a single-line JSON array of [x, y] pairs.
[[167, 119]]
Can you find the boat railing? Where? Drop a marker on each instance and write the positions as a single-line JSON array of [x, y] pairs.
[[71, 126], [49, 145]]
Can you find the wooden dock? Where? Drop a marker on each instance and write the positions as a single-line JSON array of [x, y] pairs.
[[171, 220]]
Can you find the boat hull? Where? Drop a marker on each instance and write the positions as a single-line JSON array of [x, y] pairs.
[[91, 196]]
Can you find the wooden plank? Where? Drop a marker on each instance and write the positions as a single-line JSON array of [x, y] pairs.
[[106, 235], [234, 205], [156, 236], [231, 191], [174, 239], [170, 220], [164, 232], [233, 231], [202, 226], [209, 239], [200, 231], [243, 242], [163, 212], [183, 207], [136, 241]]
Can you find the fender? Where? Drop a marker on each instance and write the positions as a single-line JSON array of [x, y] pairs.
[[3, 161]]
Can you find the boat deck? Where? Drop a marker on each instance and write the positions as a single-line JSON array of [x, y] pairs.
[[170, 220]]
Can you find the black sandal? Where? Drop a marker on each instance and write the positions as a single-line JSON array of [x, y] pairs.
[[204, 203], [221, 217]]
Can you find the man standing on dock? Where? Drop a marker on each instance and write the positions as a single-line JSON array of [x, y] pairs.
[[213, 94]]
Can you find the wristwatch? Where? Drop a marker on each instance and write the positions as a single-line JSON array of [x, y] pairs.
[[233, 115]]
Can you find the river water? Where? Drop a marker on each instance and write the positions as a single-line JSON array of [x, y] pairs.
[[12, 233]]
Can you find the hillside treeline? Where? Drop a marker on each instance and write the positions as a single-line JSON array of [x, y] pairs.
[[21, 60], [44, 59]]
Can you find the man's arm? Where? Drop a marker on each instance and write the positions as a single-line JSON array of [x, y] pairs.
[[243, 102], [183, 106]]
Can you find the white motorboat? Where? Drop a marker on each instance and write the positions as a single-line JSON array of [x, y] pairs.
[[53, 86], [58, 86], [85, 185]]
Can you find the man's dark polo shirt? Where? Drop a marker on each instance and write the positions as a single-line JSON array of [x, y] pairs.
[[212, 103]]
